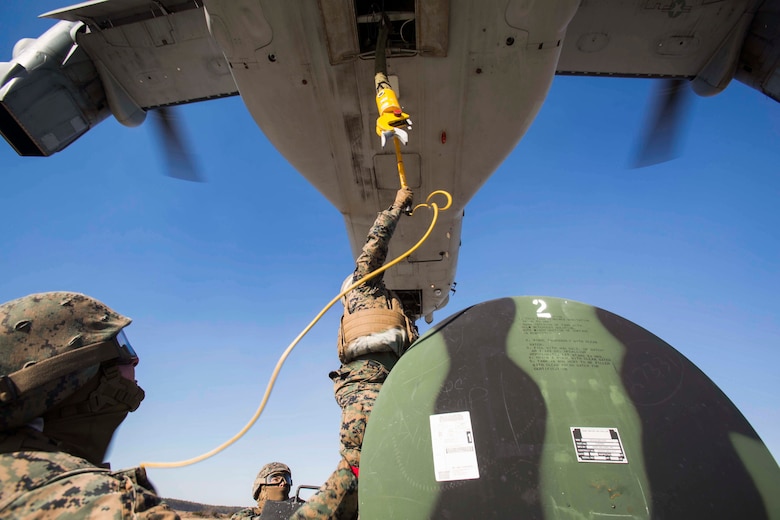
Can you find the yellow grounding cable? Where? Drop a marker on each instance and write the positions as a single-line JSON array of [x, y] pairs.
[[288, 350]]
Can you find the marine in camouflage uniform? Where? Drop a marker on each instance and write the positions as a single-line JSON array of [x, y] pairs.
[[66, 383], [271, 491], [375, 331]]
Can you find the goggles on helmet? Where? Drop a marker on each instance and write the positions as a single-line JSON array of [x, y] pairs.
[[274, 479], [127, 355]]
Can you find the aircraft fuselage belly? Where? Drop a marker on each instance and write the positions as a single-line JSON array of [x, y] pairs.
[[469, 108]]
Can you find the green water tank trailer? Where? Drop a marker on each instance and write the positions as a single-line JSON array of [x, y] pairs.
[[541, 407]]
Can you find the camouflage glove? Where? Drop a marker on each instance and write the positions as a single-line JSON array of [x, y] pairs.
[[403, 199]]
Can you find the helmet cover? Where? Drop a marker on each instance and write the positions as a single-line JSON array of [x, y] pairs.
[[265, 471], [42, 326]]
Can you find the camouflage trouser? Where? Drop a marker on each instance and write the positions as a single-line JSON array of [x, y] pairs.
[[337, 498], [355, 386]]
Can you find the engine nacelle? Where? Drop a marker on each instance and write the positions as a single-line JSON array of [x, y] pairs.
[[759, 65], [50, 92]]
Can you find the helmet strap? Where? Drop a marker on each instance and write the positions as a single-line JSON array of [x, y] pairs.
[[15, 385], [84, 423]]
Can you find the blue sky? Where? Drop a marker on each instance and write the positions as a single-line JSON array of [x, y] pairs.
[[219, 277]]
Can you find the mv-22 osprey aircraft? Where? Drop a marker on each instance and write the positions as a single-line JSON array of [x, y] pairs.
[[472, 73]]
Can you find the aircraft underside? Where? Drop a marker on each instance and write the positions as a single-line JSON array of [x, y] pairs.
[[307, 79]]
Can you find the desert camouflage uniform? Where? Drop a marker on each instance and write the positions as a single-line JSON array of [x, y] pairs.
[[276, 508], [249, 512], [39, 478], [40, 485], [337, 498], [357, 382], [373, 293], [268, 509]]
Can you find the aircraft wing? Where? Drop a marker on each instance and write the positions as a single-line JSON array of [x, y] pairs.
[[158, 55], [471, 73], [707, 41], [120, 58]]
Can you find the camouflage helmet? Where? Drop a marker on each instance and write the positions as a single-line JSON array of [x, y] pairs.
[[349, 280], [51, 344], [267, 470]]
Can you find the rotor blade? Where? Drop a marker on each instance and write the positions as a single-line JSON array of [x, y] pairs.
[[662, 132], [181, 162]]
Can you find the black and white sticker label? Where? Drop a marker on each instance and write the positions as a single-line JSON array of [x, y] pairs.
[[598, 445], [454, 453]]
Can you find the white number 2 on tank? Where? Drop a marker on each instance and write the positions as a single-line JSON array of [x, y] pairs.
[[542, 307]]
